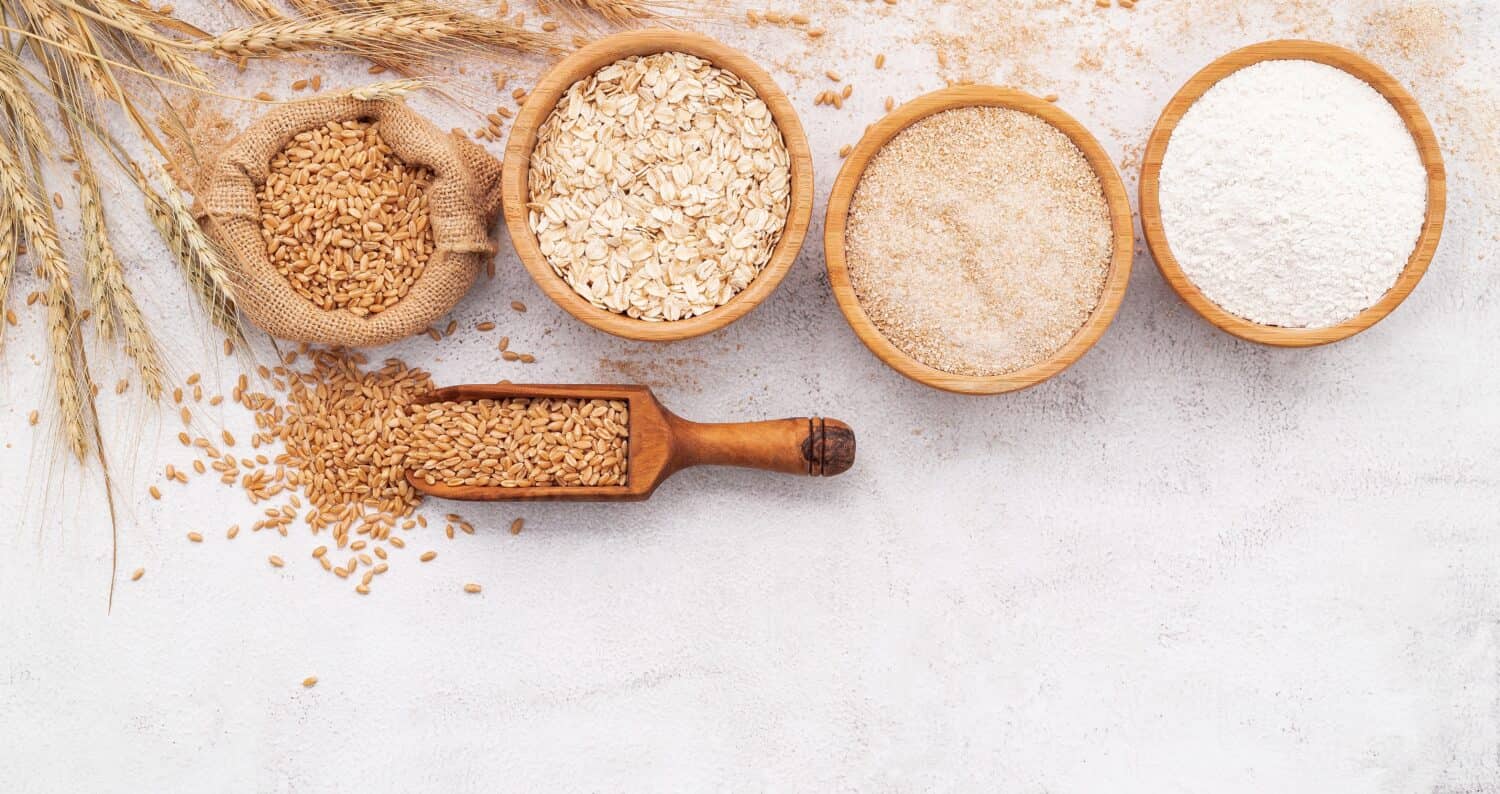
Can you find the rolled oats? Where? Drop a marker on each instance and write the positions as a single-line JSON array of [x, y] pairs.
[[659, 186]]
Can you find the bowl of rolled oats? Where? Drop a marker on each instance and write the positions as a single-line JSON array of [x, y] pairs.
[[657, 185]]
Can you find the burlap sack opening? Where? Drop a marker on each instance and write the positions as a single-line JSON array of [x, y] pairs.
[[464, 199]]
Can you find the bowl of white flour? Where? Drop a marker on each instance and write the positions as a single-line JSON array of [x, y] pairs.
[[1293, 193]]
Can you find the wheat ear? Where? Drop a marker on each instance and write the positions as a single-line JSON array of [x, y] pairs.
[[415, 34], [619, 12], [390, 89], [324, 9], [13, 95], [260, 9], [23, 191], [99, 255], [629, 13], [9, 249], [48, 22], [26, 129], [203, 263], [126, 18], [35, 214], [114, 303]]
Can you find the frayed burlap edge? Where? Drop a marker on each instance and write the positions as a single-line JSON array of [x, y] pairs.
[[464, 199]]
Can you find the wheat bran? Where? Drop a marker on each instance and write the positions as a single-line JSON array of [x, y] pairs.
[[979, 240]]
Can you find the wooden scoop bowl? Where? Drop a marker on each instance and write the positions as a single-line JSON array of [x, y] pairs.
[[662, 444]]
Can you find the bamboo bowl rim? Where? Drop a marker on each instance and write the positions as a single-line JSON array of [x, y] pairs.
[[1122, 229], [1411, 115], [539, 105]]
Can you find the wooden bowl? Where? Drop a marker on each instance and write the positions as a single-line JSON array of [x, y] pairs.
[[843, 195], [538, 107], [1416, 123]]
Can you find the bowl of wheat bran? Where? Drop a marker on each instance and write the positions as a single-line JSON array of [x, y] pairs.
[[666, 224], [979, 240]]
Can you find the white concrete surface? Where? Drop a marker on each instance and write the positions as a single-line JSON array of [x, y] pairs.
[[1187, 564]]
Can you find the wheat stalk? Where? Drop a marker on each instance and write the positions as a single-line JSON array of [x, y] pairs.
[[51, 24], [619, 12], [33, 135], [66, 345], [202, 262], [159, 17], [100, 261], [23, 191], [324, 9], [630, 13], [25, 127], [114, 304], [390, 89], [260, 9], [100, 257], [315, 8], [74, 387], [109, 495], [413, 33], [9, 248], [127, 19]]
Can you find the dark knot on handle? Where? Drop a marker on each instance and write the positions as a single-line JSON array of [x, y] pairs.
[[829, 448]]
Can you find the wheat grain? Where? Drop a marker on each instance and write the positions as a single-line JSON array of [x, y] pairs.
[[345, 220], [521, 442]]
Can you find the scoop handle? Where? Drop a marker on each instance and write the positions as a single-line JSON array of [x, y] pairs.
[[815, 446]]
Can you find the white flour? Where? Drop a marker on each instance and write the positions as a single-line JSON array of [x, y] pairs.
[[1292, 194]]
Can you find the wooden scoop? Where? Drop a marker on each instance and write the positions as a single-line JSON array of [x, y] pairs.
[[662, 443]]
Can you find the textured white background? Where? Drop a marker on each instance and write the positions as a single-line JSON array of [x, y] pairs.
[[1187, 564]]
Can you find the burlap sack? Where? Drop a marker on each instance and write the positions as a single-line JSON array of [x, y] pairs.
[[464, 200]]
